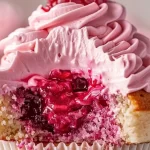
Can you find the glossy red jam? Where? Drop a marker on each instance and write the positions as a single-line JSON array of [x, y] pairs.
[[60, 103]]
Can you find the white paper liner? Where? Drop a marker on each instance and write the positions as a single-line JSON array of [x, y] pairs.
[[73, 146]]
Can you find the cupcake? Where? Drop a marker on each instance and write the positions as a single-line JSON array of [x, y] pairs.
[[77, 77]]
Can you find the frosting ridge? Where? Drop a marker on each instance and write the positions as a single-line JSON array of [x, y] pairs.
[[74, 36]]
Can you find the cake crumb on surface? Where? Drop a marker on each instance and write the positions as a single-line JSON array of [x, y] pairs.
[[140, 100]]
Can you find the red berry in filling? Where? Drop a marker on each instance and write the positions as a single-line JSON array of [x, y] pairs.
[[61, 103], [79, 84], [31, 109], [32, 105], [60, 74]]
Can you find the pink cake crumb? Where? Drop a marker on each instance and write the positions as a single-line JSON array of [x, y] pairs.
[[66, 107]]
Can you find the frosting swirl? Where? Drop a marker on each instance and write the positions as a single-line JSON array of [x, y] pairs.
[[76, 16], [74, 36]]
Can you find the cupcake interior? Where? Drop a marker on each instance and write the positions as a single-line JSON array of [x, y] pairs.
[[64, 107]]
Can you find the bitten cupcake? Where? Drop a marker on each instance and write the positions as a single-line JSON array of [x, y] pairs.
[[78, 73]]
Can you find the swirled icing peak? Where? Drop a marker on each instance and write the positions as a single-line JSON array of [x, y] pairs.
[[51, 3], [72, 36]]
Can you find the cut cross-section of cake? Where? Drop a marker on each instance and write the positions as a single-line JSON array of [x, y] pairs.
[[78, 72]]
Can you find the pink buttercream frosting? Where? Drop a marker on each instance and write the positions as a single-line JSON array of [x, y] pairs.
[[73, 36]]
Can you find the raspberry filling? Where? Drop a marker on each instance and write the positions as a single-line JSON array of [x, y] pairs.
[[59, 103]]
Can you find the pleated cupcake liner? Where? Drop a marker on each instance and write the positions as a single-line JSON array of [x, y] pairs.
[[4, 145]]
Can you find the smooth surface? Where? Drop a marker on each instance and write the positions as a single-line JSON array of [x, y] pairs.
[[14, 14], [25, 6], [138, 13]]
